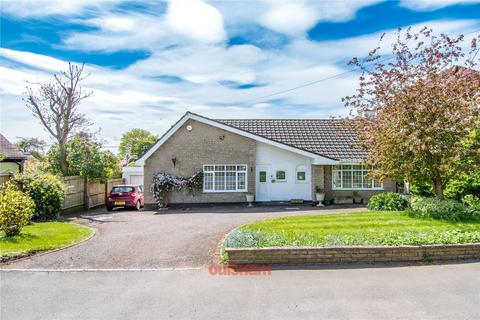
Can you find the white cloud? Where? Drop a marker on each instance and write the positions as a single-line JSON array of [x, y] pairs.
[[196, 19], [428, 5], [185, 21], [290, 18], [44, 8], [134, 97]]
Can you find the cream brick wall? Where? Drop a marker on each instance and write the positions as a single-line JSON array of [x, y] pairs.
[[318, 178], [325, 173], [203, 145]]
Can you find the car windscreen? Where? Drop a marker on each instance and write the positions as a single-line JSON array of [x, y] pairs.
[[122, 189]]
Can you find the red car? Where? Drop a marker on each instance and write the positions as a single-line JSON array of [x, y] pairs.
[[130, 195]]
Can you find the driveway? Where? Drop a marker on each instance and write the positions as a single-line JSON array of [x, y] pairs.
[[149, 239]]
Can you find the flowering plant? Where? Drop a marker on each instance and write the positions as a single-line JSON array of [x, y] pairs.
[[163, 183]]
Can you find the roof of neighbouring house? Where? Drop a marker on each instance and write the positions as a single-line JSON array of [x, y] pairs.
[[326, 137], [9, 150]]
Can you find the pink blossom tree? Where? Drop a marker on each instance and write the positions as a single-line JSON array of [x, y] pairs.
[[414, 110]]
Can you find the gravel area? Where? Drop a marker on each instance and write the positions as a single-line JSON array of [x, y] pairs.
[[149, 239]]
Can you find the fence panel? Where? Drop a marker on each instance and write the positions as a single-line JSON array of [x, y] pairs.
[[74, 192], [82, 194], [5, 177], [97, 192]]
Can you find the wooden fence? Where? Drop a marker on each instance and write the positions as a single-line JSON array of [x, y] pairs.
[[80, 194], [4, 177], [83, 194]]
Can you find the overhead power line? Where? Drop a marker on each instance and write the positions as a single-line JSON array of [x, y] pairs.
[[326, 78]]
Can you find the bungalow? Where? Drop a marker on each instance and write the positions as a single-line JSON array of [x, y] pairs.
[[275, 159], [12, 159]]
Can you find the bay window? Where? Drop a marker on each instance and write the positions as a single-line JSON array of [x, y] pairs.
[[352, 177], [224, 178]]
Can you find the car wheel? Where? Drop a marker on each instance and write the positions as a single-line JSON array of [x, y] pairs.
[[138, 206], [109, 208]]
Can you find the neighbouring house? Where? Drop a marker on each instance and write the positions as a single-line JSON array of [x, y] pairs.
[[12, 159], [275, 159]]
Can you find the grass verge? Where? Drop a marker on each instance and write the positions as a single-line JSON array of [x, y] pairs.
[[373, 228], [42, 236]]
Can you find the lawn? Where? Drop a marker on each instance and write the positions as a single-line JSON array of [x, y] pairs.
[[373, 228], [42, 236]]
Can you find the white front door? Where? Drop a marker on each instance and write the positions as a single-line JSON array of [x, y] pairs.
[[262, 183]]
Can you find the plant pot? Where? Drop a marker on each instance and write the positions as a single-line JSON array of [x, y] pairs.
[[320, 196], [250, 199]]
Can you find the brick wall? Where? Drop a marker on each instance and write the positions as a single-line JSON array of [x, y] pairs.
[[306, 255], [318, 178], [203, 145]]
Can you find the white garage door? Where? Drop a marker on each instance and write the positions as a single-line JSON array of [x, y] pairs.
[[136, 180]]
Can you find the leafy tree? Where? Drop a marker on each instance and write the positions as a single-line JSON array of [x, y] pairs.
[[85, 158], [466, 181], [135, 143], [34, 146], [414, 113], [56, 105]]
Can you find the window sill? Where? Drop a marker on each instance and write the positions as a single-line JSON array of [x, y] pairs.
[[357, 189], [224, 191]]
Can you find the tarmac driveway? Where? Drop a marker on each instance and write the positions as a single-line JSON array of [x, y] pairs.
[[149, 239]]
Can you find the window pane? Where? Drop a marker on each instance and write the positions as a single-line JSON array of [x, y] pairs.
[[231, 183], [231, 168], [367, 183], [208, 168], [219, 181], [208, 181], [337, 179], [280, 175], [346, 167], [357, 179], [347, 179], [242, 168], [241, 181], [262, 176], [377, 184], [301, 176]]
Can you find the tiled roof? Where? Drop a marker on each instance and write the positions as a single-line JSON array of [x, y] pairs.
[[325, 137], [8, 150]]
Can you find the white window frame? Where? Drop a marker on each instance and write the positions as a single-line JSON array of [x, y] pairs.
[[301, 168], [280, 180], [225, 177], [363, 170]]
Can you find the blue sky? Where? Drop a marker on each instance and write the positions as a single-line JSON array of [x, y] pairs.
[[151, 61]]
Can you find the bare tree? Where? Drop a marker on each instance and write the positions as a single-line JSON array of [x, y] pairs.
[[56, 104]]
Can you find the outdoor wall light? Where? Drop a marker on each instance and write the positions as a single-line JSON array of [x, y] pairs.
[[174, 161]]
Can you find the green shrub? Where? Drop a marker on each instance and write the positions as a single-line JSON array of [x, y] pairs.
[[448, 209], [471, 201], [389, 201], [16, 209], [462, 185], [421, 189], [47, 191]]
